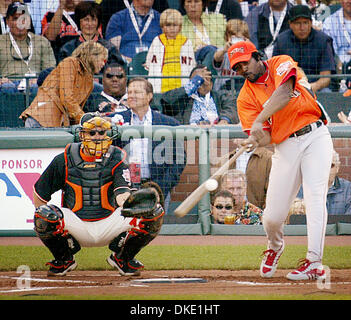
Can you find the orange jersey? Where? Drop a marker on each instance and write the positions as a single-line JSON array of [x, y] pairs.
[[301, 110]]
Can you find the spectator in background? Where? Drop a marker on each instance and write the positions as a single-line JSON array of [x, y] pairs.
[[165, 165], [222, 206], [197, 104], [59, 26], [109, 7], [338, 27], [297, 207], [266, 21], [65, 90], [339, 192], [310, 48], [235, 182], [257, 166], [38, 9], [236, 30], [170, 54], [231, 9], [87, 16], [3, 9], [133, 29], [114, 96], [206, 31], [22, 53]]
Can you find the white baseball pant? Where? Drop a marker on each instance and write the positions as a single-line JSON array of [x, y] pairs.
[[300, 160], [96, 233]]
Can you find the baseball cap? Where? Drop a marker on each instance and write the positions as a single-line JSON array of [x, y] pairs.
[[16, 7], [299, 11], [240, 52]]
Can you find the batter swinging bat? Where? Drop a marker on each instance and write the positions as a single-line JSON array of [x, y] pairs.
[[201, 190]]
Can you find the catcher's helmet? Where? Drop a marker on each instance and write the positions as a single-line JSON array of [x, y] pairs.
[[93, 134]]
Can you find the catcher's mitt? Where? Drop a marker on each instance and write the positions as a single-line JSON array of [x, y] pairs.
[[142, 203]]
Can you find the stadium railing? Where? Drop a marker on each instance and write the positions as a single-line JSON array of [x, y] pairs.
[[202, 146]]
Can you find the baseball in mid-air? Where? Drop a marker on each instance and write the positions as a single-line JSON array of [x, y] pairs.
[[211, 184]]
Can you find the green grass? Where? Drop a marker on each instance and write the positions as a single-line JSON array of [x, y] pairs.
[[246, 257], [225, 257]]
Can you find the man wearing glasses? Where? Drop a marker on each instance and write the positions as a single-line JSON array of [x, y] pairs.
[[22, 53], [114, 96], [222, 206], [235, 182]]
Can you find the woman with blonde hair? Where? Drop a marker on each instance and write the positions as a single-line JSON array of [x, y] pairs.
[[61, 97]]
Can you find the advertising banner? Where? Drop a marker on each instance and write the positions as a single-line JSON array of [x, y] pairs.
[[19, 170]]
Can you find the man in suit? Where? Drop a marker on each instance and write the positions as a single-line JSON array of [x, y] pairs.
[[160, 161]]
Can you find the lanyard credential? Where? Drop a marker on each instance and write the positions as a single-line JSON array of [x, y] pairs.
[[18, 51], [218, 7], [71, 21], [113, 100], [135, 24], [4, 28], [275, 32]]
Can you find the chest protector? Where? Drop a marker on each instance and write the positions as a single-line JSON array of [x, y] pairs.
[[89, 186]]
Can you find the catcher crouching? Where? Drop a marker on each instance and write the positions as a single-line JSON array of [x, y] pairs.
[[99, 208]]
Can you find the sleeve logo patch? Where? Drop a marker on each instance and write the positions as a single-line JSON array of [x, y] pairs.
[[126, 175], [283, 68]]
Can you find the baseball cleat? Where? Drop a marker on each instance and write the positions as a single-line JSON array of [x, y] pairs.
[[125, 268], [307, 270], [270, 262], [60, 268]]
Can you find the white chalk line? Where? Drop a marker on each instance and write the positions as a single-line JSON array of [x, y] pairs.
[[30, 289], [271, 284], [43, 288], [47, 280], [134, 283]]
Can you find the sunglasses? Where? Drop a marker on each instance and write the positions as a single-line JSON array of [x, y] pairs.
[[220, 207], [118, 76], [94, 132]]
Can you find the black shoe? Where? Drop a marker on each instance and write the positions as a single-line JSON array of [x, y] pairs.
[[125, 268], [60, 268]]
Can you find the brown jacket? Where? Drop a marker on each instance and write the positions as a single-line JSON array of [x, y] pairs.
[[257, 174], [61, 98]]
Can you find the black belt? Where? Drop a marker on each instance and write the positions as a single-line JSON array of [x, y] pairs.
[[305, 129]]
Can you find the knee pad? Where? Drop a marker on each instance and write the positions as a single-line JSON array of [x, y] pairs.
[[49, 226], [152, 225], [49, 222], [128, 244]]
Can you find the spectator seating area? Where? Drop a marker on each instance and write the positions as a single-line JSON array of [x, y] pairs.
[[13, 104]]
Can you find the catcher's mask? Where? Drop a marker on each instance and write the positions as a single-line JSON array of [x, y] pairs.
[[94, 135]]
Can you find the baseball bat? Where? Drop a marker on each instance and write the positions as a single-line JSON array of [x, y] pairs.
[[201, 190]]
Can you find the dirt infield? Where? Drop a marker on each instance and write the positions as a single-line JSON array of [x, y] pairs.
[[176, 282]]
